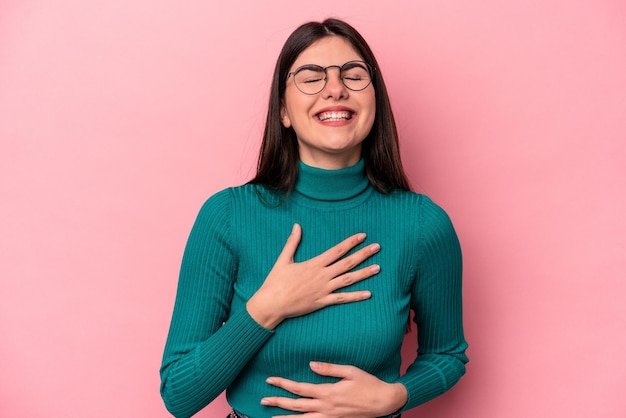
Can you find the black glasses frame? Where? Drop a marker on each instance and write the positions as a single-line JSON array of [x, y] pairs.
[[315, 67]]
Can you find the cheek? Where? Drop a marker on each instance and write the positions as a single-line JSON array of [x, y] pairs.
[[296, 109], [371, 114]]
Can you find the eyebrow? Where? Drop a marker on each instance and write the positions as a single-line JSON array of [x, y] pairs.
[[353, 64], [309, 67], [346, 66]]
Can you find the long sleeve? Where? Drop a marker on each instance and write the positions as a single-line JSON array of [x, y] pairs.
[[203, 353], [437, 302]]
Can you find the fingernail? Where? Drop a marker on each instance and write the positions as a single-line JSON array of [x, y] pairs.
[[375, 268], [361, 237], [269, 380], [265, 402], [375, 248], [294, 229], [314, 365]]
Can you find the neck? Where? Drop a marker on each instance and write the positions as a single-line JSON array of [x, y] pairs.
[[331, 161]]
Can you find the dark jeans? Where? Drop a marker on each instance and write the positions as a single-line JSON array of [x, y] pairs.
[[235, 414]]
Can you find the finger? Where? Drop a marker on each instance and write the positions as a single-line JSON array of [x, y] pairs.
[[333, 370], [345, 297], [308, 390], [335, 253], [288, 251], [298, 405], [350, 278], [353, 260]]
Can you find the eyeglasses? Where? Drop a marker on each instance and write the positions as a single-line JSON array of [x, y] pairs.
[[311, 78]]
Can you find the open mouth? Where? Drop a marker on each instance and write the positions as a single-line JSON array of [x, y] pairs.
[[334, 116]]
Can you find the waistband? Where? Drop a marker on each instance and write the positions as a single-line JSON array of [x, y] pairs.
[[235, 414]]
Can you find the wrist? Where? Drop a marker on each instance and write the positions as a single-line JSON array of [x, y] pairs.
[[263, 314], [399, 397]]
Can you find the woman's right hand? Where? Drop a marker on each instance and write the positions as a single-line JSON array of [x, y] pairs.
[[293, 289]]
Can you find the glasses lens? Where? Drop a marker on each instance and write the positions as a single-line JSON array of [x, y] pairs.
[[310, 79], [355, 75]]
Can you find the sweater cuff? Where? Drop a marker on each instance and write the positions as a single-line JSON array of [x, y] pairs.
[[428, 383], [242, 325]]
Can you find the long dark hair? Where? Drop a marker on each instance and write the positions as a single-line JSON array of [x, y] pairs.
[[277, 166]]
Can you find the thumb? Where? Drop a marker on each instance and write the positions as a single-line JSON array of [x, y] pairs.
[[289, 250]]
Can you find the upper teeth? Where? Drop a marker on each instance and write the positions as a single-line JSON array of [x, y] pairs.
[[334, 115]]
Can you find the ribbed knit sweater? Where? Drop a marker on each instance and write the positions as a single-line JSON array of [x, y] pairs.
[[214, 344]]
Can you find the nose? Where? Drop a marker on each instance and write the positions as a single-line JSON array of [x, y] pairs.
[[334, 87]]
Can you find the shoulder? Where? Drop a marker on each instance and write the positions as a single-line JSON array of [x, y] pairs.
[[218, 213], [218, 198], [226, 203], [436, 228], [214, 214], [431, 212], [416, 200], [423, 212], [411, 201], [224, 199]]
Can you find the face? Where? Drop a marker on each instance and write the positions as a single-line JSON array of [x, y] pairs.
[[330, 125]]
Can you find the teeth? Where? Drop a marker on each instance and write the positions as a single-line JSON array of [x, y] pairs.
[[333, 116]]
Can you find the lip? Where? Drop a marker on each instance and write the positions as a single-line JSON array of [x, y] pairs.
[[336, 109]]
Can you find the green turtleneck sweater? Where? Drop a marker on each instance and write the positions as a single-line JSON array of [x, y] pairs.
[[214, 344]]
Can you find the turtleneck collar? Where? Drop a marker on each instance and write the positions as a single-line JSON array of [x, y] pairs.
[[332, 185]]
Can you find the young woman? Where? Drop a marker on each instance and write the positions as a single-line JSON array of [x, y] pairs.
[[314, 326]]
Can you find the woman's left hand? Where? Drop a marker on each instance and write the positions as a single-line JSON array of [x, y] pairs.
[[357, 394]]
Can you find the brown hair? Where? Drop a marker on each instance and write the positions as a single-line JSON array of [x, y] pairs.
[[277, 166]]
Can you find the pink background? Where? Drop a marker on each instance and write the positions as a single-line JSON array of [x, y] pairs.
[[118, 119]]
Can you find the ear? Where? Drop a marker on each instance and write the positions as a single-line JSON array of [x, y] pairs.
[[284, 117]]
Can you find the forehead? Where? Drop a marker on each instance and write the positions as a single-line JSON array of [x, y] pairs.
[[332, 50]]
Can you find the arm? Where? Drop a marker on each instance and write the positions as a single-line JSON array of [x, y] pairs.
[[437, 302], [199, 361]]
